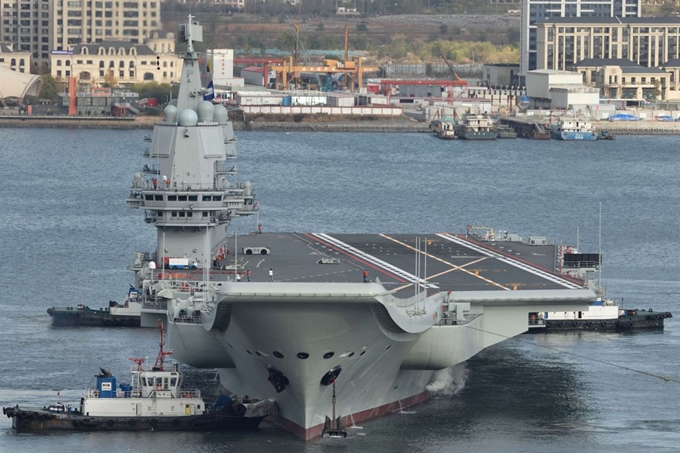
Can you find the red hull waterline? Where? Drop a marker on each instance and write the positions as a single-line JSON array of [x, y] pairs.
[[349, 420]]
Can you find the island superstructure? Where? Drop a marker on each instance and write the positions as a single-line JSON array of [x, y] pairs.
[[286, 316]]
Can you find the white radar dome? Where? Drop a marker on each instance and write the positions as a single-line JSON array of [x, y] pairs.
[[188, 117], [221, 115], [205, 111], [152, 265], [170, 113]]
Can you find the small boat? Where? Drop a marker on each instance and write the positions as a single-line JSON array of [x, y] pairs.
[[606, 135], [602, 315], [505, 131], [437, 124], [477, 127], [153, 400], [574, 130], [126, 314], [447, 131]]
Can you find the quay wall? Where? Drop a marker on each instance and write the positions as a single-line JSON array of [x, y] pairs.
[[380, 125]]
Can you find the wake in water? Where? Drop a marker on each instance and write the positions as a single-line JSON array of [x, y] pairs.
[[449, 381]]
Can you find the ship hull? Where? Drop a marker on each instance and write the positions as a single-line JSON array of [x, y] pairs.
[[76, 317], [469, 135], [575, 136], [304, 344], [27, 419], [645, 320]]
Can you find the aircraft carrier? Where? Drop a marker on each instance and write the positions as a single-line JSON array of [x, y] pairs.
[[339, 326]]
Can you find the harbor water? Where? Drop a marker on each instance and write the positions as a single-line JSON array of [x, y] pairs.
[[66, 237]]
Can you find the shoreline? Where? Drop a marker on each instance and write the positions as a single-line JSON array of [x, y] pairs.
[[387, 125]]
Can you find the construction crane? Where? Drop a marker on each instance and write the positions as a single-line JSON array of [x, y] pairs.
[[441, 54], [328, 67]]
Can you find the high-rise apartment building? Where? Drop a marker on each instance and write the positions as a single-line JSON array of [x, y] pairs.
[[42, 26], [533, 11], [87, 21], [26, 25]]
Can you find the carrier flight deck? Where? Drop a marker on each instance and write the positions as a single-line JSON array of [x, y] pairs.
[[447, 261]]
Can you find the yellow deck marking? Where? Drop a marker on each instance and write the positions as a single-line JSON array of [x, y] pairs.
[[454, 267]]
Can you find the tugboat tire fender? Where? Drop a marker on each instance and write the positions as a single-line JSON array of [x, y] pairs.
[[574, 324], [132, 422], [589, 324], [110, 422], [603, 323], [46, 416], [559, 324], [35, 415], [153, 422], [78, 423], [175, 422]]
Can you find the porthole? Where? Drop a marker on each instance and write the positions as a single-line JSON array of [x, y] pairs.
[[261, 354], [249, 352], [363, 352], [278, 354], [302, 355], [350, 354], [328, 354], [388, 347], [230, 345]]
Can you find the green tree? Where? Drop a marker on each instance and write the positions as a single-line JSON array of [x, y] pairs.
[[48, 88], [443, 29], [320, 27]]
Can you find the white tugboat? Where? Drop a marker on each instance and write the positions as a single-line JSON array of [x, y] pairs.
[[153, 399]]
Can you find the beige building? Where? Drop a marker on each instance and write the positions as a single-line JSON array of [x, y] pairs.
[[648, 41], [624, 79], [123, 61], [40, 26], [16, 61], [86, 21], [26, 24]]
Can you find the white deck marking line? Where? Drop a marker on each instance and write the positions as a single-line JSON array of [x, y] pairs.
[[454, 266], [518, 264], [372, 259], [449, 270]]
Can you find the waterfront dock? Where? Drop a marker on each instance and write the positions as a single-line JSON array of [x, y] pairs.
[[525, 127]]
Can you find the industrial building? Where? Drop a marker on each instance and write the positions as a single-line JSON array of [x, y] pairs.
[[552, 89]]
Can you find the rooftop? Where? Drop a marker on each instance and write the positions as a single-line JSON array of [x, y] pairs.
[[611, 20]]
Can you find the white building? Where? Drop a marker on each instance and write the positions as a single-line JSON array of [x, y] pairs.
[[221, 63], [554, 89]]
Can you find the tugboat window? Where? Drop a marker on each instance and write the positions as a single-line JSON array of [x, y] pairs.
[[193, 197], [302, 355], [172, 197]]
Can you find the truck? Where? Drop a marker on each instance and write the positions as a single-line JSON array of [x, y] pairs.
[[180, 263]]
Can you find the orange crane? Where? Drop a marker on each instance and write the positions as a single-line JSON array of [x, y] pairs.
[[329, 67]]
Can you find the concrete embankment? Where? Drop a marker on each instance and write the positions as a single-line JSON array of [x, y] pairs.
[[639, 127], [359, 126], [77, 122], [147, 122]]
